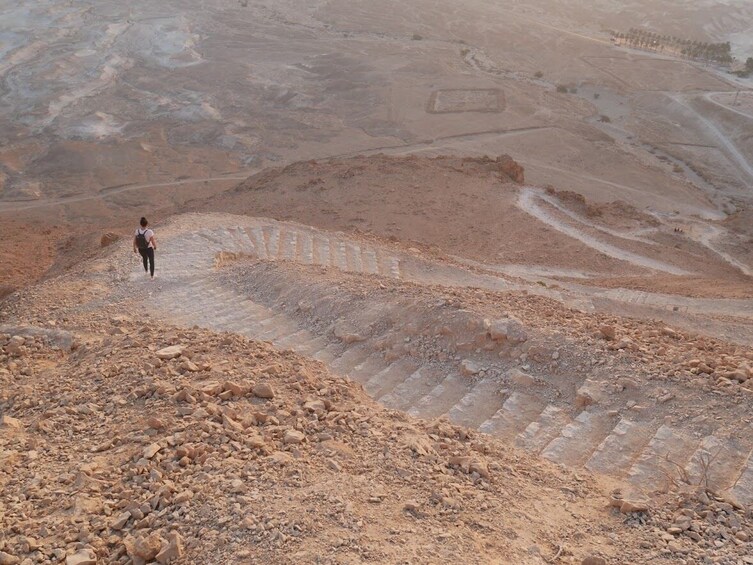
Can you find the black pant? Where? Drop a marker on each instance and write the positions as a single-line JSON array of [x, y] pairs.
[[148, 255]]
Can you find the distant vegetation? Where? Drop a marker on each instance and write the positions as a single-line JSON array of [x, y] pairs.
[[747, 70], [697, 50]]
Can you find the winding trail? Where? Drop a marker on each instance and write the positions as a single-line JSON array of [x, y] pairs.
[[527, 203], [710, 98], [706, 238], [730, 147]]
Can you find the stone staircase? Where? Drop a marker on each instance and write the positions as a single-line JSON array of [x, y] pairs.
[[646, 454], [278, 241]]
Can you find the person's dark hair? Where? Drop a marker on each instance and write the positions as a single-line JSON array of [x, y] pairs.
[[143, 222]]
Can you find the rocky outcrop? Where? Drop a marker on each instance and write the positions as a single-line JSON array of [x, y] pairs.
[[511, 169]]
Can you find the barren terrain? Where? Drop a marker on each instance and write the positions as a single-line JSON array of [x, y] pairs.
[[435, 283]]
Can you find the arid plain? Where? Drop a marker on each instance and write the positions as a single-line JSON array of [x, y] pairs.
[[436, 282]]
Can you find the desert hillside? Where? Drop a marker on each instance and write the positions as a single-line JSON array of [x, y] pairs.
[[435, 282]]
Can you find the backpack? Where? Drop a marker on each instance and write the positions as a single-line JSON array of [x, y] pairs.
[[141, 241]]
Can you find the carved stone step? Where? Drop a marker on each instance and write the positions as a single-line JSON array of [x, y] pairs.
[[516, 413], [663, 459], [579, 438]]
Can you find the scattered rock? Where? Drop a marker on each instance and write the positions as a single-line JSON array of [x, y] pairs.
[[293, 437], [171, 550], [234, 388], [8, 559], [121, 520], [8, 422], [155, 423], [347, 334], [108, 239], [469, 368], [151, 450], [144, 548], [83, 557], [507, 330], [583, 398], [520, 378], [170, 352], [263, 390], [608, 332], [315, 406]]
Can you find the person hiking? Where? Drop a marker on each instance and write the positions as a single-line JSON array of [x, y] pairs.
[[145, 244]]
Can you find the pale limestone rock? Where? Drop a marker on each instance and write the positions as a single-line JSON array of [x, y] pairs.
[[520, 378], [171, 550], [507, 329], [293, 437], [83, 557], [151, 450], [469, 368], [170, 352]]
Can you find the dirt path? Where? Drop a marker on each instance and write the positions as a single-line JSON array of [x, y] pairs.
[[710, 97], [527, 202], [730, 148]]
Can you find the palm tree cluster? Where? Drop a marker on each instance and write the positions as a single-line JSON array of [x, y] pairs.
[[697, 50]]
